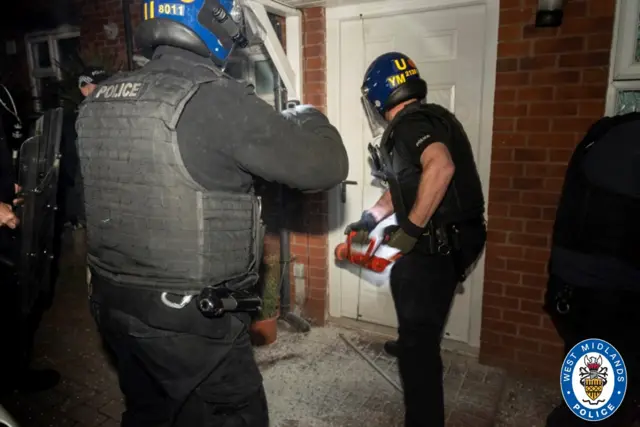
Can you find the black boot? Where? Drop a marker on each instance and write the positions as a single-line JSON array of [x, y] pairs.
[[391, 348]]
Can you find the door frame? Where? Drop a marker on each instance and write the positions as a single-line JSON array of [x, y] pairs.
[[335, 17]]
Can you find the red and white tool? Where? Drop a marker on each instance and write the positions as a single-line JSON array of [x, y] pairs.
[[368, 250]]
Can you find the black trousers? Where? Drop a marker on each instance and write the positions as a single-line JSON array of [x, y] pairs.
[[183, 371], [579, 313], [423, 287]]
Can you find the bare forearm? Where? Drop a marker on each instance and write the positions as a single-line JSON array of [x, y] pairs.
[[434, 182], [383, 207]]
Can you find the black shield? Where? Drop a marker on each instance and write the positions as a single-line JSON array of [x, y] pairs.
[[38, 176]]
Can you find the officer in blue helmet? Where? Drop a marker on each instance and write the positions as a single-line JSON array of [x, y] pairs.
[[168, 154], [434, 189]]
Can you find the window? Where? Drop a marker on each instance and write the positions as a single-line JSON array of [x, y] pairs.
[[48, 54], [624, 88]]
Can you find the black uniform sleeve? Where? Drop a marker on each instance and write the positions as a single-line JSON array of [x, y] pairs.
[[303, 151], [415, 132]]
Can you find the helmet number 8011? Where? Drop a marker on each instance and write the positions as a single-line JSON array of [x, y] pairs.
[[171, 9]]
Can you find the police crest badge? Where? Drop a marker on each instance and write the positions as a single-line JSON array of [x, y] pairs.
[[593, 380]]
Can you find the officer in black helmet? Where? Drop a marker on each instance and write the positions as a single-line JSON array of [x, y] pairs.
[[435, 192], [168, 155]]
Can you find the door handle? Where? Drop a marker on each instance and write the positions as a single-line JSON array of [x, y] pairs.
[[343, 189]]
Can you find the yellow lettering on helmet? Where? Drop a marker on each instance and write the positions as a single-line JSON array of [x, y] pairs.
[[146, 11], [400, 65], [187, 1], [152, 9]]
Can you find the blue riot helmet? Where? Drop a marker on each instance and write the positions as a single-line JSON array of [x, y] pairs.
[[209, 28], [391, 79]]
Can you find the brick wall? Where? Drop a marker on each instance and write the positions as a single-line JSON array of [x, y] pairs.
[[550, 87], [310, 247]]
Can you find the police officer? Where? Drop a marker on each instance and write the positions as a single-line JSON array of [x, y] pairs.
[[435, 192], [168, 155], [594, 268]]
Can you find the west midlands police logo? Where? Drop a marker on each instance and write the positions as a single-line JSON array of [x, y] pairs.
[[593, 380]]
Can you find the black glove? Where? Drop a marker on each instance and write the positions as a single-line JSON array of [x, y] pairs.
[[396, 237], [367, 222], [306, 116]]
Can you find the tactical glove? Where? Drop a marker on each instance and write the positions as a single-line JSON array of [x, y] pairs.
[[396, 237], [366, 223]]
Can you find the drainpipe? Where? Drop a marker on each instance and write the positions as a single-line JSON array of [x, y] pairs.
[[128, 32], [286, 314]]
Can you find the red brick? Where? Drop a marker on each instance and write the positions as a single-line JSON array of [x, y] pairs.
[[534, 281], [575, 9], [525, 266], [537, 62], [545, 170], [593, 109], [567, 124], [539, 227], [499, 350], [504, 196], [533, 306], [512, 79], [554, 77], [491, 313], [520, 343], [540, 93], [528, 240], [539, 198], [537, 333], [522, 318], [589, 25], [510, 110], [514, 49], [511, 140], [553, 109], [536, 254], [500, 276], [527, 183], [493, 288], [559, 45], [499, 326], [509, 32], [581, 92], [502, 154], [531, 154], [505, 251], [506, 64], [532, 125], [595, 75], [515, 16], [507, 169], [503, 125], [497, 236], [553, 184], [524, 292], [529, 212], [498, 209], [602, 8], [553, 140], [599, 42], [505, 224], [505, 95], [317, 38], [500, 302], [560, 156], [590, 59], [510, 4], [531, 32]]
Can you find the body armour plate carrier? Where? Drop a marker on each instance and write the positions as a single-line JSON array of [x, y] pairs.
[[463, 200], [149, 224], [594, 221]]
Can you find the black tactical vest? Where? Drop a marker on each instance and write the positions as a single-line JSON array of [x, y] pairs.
[[597, 226], [464, 199], [150, 225]]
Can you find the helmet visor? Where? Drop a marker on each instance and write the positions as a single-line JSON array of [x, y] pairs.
[[377, 123]]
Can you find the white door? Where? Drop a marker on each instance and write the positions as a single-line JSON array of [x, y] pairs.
[[448, 48]]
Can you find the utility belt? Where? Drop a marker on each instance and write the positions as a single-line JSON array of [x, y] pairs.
[[461, 241], [211, 302]]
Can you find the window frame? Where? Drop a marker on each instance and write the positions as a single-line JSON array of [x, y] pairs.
[[52, 38]]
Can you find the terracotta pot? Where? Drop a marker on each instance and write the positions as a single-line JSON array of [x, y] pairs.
[[264, 332]]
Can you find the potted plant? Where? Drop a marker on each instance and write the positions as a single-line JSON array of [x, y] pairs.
[[264, 330]]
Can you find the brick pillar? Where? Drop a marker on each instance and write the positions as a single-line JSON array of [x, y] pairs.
[[550, 87], [310, 248]]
